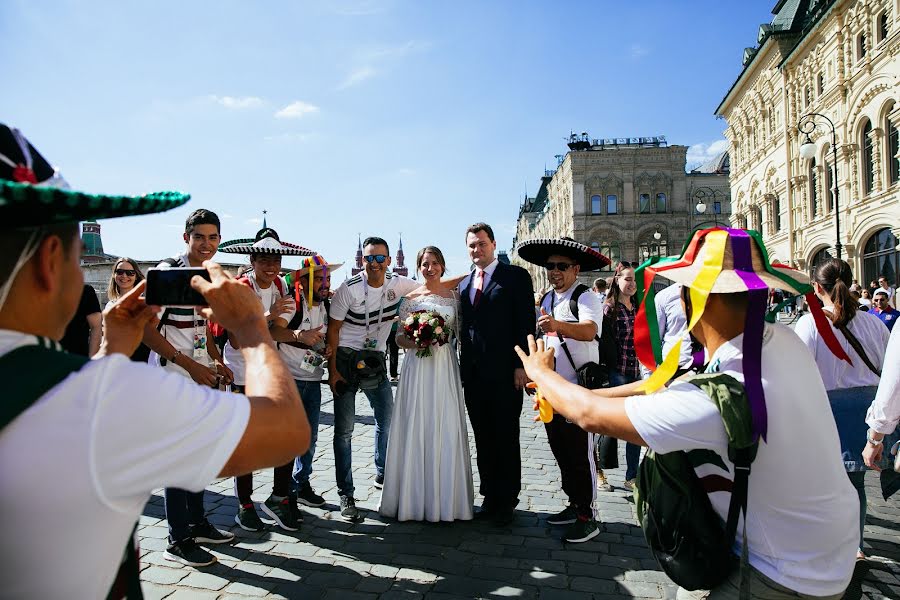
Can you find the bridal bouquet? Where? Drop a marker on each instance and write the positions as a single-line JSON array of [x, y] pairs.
[[426, 329]]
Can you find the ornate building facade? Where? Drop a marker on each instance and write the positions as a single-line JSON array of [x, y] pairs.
[[630, 198], [838, 58]]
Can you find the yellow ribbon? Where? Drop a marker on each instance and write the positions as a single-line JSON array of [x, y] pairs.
[[699, 289]]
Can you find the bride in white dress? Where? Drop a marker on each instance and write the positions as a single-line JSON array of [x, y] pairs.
[[428, 472]]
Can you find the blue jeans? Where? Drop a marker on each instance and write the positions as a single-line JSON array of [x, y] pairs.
[[311, 394], [381, 400], [632, 451]]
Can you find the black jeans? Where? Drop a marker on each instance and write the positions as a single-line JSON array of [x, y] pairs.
[[183, 509]]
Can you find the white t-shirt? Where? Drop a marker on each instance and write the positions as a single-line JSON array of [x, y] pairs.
[[180, 327], [884, 413], [109, 434], [355, 303], [589, 309], [803, 513], [296, 357], [673, 323], [232, 356], [836, 373]]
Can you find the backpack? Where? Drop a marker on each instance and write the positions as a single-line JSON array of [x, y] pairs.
[[23, 392], [591, 375], [682, 529]]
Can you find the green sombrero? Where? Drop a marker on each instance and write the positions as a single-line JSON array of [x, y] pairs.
[[33, 194]]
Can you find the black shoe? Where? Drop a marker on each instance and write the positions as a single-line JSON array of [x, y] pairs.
[[309, 497], [187, 552], [565, 517], [280, 511], [504, 517], [248, 520], [349, 512], [379, 481], [581, 531], [205, 533], [484, 513]]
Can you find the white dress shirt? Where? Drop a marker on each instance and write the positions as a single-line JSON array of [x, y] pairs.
[[488, 272]]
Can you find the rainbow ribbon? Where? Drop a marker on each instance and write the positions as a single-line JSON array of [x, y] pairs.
[[310, 263]]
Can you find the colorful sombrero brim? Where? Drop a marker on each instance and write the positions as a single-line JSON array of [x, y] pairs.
[[331, 267], [537, 252], [25, 205], [264, 246]]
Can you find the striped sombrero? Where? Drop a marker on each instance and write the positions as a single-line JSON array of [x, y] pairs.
[[265, 242], [537, 251]]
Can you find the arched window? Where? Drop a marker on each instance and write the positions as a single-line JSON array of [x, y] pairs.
[[826, 190], [612, 204], [868, 162], [813, 190], [820, 84], [612, 252], [776, 213], [861, 46], [661, 203], [882, 27], [893, 149], [806, 96], [881, 258], [596, 205], [819, 257], [644, 203]]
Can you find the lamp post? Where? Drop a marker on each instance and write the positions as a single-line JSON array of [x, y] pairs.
[[701, 195], [806, 126]]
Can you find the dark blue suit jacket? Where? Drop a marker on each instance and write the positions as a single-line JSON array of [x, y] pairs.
[[503, 319]]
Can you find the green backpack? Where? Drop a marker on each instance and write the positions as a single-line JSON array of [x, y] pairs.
[[684, 532]]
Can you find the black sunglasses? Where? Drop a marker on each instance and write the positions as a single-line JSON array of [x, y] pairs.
[[379, 258], [559, 266], [129, 272]]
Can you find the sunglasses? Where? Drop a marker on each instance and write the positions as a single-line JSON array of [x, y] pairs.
[[379, 258], [559, 266], [129, 272]]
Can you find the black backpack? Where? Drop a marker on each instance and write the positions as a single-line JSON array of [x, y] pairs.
[[684, 532]]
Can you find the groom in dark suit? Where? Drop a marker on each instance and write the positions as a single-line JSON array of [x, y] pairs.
[[497, 314]]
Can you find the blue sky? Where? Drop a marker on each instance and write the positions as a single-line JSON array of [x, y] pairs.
[[349, 117]]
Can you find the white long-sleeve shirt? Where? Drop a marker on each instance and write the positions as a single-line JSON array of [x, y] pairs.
[[884, 413]]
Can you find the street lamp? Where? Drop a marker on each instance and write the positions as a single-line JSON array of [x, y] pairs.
[[657, 235], [701, 205], [806, 126]]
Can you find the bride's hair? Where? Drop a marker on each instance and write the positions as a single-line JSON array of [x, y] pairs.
[[437, 254]]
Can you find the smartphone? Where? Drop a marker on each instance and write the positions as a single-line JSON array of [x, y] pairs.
[[172, 287]]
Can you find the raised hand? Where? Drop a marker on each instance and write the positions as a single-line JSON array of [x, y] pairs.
[[124, 321], [281, 306]]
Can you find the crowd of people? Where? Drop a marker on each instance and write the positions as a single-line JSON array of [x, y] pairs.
[[175, 396]]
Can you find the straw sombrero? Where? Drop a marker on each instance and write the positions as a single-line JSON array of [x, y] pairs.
[[722, 261], [537, 251], [32, 193], [266, 241], [317, 263]]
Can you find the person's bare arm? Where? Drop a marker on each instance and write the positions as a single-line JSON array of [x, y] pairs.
[[579, 405], [154, 340], [278, 428], [95, 323], [306, 338]]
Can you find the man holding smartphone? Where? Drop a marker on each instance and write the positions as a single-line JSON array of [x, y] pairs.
[[181, 342]]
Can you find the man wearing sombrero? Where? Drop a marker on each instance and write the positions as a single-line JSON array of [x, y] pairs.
[[571, 321], [801, 513], [265, 251], [108, 430]]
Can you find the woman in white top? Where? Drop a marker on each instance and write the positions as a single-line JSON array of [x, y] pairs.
[[125, 275], [850, 388]]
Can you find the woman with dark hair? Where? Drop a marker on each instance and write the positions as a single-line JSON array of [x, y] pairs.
[[126, 274], [622, 311], [428, 472], [850, 388]]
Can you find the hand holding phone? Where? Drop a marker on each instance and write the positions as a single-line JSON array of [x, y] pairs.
[[172, 287]]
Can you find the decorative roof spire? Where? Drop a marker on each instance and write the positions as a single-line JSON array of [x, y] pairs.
[[265, 212]]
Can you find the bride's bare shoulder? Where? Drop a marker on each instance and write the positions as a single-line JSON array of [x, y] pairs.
[[417, 293]]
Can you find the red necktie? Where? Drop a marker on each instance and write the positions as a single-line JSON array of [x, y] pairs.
[[479, 286]]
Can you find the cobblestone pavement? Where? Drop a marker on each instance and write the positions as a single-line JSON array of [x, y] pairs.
[[380, 558]]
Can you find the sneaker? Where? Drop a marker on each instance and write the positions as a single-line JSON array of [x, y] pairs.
[[187, 552], [629, 484], [379, 481], [281, 513], [349, 512], [247, 519], [565, 517], [309, 497], [602, 484], [205, 533], [581, 531]]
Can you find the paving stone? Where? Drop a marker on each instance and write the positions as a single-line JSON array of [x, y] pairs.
[[163, 575], [204, 581], [183, 594], [249, 588]]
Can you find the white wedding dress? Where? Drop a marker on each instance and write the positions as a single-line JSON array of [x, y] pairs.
[[428, 472]]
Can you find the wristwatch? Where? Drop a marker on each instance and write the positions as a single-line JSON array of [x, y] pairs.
[[175, 357], [872, 440]]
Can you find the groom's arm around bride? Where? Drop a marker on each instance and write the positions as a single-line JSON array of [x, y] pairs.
[[497, 314]]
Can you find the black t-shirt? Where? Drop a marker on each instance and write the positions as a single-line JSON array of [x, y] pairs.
[[78, 332]]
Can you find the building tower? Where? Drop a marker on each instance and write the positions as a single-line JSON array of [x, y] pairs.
[[359, 258], [93, 244], [400, 268]]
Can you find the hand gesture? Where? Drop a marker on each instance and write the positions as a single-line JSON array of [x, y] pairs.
[[124, 321], [232, 304], [311, 337], [546, 322], [201, 373], [538, 357], [281, 306]]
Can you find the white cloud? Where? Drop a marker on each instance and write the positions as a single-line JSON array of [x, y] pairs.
[[638, 51], [227, 216], [357, 76], [238, 102], [698, 154], [254, 221], [296, 110]]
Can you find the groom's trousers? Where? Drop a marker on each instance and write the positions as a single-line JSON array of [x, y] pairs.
[[494, 409]]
